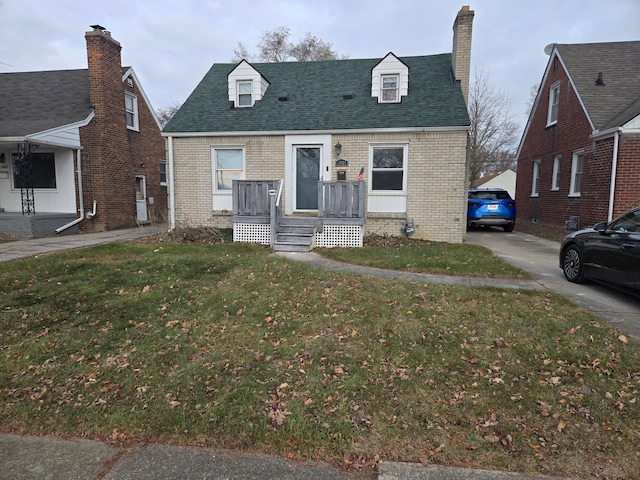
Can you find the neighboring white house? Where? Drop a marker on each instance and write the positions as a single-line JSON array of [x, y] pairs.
[[506, 180]]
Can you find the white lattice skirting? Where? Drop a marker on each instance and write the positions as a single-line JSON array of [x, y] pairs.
[[331, 236], [340, 236], [252, 233]]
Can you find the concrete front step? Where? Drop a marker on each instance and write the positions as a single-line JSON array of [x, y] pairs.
[[291, 247]]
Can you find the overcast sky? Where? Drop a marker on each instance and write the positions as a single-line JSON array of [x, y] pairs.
[[171, 44]]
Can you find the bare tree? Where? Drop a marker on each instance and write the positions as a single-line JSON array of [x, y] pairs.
[[275, 47], [493, 132], [165, 114]]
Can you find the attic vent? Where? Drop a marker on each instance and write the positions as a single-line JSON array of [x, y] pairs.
[[347, 95], [283, 97], [599, 80]]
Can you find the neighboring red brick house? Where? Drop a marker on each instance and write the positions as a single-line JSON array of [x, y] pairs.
[[80, 150], [579, 157]]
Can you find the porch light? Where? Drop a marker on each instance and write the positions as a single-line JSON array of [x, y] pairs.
[[338, 148]]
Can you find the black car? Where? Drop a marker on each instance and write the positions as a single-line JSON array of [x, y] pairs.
[[607, 253]]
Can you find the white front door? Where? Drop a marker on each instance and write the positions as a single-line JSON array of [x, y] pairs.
[[141, 198]]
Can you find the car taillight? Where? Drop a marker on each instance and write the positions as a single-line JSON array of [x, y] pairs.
[[511, 204], [473, 204]]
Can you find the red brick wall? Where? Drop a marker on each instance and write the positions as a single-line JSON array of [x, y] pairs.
[[628, 174], [116, 154], [549, 212]]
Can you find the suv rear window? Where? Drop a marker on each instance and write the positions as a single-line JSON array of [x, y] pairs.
[[498, 195]]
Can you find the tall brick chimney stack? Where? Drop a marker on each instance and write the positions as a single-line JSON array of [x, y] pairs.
[[461, 51], [107, 148]]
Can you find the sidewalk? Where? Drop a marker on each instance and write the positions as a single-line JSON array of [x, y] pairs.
[[48, 458]]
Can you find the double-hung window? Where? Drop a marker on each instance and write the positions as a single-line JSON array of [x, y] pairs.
[[390, 88], [131, 111], [228, 165], [576, 174], [244, 94], [535, 179], [555, 177], [554, 102], [388, 168]]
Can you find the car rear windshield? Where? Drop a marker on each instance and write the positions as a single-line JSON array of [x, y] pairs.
[[490, 195]]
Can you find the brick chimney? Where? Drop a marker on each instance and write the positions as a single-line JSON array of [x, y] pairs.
[[461, 51], [106, 143]]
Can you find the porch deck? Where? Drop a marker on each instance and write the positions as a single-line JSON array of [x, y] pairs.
[[258, 217]]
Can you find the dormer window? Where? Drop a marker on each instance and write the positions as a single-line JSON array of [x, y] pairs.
[[244, 94], [246, 85], [389, 88], [390, 80]]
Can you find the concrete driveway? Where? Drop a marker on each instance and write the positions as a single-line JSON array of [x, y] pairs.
[[539, 257]]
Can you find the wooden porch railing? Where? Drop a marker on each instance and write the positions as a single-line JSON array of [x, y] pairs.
[[251, 197], [341, 199]]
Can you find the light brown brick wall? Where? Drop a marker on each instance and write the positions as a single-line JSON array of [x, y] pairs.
[[436, 197]]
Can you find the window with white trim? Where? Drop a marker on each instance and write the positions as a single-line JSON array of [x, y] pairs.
[[244, 89], [42, 175], [390, 88], [576, 174], [388, 168], [228, 165], [554, 102], [555, 177], [131, 110], [163, 173], [535, 178]]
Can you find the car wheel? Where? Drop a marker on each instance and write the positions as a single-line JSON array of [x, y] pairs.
[[509, 227], [572, 265]]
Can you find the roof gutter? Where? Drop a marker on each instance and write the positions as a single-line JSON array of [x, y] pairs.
[[463, 128], [172, 201], [81, 218], [614, 168]]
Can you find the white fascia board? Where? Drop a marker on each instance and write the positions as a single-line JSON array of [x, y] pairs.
[[317, 132]]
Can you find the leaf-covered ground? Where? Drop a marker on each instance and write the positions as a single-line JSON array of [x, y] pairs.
[[223, 345]]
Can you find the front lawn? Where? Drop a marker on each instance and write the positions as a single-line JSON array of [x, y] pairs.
[[227, 346]]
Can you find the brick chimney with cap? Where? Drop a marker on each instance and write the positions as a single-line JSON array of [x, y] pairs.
[[106, 148], [461, 51]]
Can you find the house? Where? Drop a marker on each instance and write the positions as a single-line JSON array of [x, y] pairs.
[[80, 150], [579, 157], [359, 145], [505, 180]]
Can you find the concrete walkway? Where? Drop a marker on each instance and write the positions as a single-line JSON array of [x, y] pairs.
[[48, 458]]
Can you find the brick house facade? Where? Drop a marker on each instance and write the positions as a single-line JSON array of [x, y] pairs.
[[103, 140], [579, 161]]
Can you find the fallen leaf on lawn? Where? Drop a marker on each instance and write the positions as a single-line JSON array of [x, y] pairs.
[[561, 426], [146, 289], [623, 339]]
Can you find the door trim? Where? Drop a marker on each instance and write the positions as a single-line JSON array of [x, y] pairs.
[[292, 141]]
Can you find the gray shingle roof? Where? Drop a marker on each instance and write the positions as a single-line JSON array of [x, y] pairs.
[[615, 102], [32, 102], [316, 102]]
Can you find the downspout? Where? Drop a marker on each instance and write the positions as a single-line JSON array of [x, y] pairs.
[[614, 168], [77, 220], [172, 202]]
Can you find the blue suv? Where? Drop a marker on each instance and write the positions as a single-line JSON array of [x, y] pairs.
[[491, 207]]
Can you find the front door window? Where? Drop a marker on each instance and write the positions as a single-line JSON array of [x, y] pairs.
[[307, 177]]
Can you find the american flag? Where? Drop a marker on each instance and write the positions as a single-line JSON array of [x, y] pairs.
[[359, 175]]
